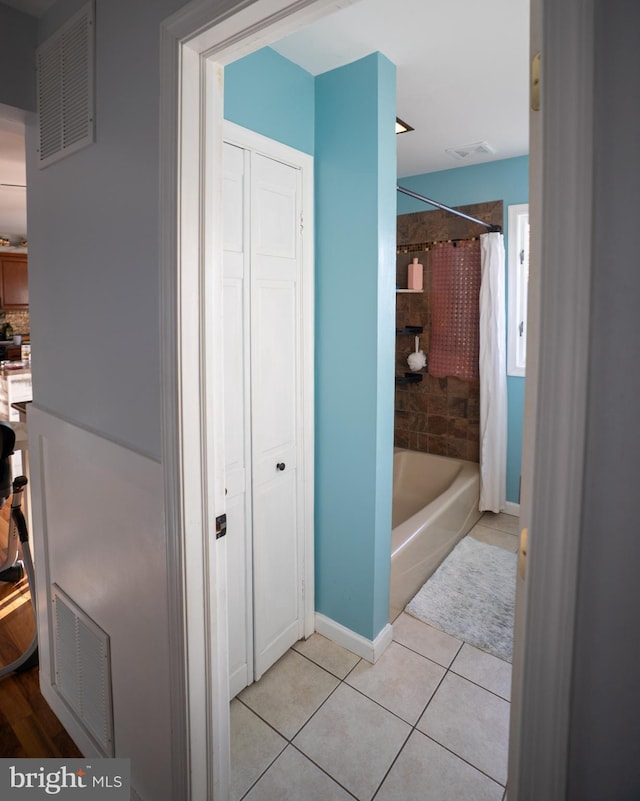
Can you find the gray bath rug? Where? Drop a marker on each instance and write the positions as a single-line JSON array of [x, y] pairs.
[[472, 596]]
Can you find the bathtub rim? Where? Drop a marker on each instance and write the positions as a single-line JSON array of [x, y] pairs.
[[405, 532]]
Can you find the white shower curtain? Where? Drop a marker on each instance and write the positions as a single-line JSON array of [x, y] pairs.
[[493, 375]]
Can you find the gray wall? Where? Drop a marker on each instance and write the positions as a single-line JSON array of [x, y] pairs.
[[605, 743], [17, 59], [93, 241]]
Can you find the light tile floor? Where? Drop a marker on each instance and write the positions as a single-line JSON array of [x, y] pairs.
[[428, 722]]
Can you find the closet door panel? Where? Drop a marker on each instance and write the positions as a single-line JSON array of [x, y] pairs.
[[274, 378], [237, 411], [240, 655], [275, 554], [275, 266]]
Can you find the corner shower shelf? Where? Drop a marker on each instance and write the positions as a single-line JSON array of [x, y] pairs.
[[409, 378], [412, 291], [410, 329]]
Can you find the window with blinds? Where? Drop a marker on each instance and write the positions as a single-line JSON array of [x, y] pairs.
[[518, 279]]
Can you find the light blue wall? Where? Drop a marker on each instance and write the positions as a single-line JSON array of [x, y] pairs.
[[355, 218], [386, 342], [355, 310], [272, 96], [506, 180]]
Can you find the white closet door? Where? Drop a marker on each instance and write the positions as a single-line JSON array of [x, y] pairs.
[[237, 433], [275, 399]]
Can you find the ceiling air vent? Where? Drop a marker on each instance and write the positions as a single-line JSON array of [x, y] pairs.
[[471, 152], [65, 64]]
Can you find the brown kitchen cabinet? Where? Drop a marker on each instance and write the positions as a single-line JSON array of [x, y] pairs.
[[14, 285], [14, 353]]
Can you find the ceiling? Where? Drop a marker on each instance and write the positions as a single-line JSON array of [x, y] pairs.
[[462, 71], [462, 77]]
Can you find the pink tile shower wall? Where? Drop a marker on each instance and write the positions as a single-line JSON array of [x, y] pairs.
[[438, 415]]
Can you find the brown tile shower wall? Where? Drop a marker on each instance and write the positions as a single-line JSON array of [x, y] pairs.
[[441, 415], [438, 415]]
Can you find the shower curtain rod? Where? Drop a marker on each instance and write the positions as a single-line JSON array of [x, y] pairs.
[[492, 228]]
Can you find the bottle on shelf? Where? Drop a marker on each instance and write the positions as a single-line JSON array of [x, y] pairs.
[[414, 278]]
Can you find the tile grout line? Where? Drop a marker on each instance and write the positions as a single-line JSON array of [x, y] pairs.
[[326, 772], [413, 727], [442, 745], [413, 651], [326, 670], [340, 682], [461, 758], [273, 761], [428, 658], [313, 714], [259, 716], [493, 528], [382, 706], [481, 686], [289, 741], [393, 762], [451, 668]]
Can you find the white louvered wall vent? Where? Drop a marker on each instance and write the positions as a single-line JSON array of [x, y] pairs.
[[65, 70], [82, 665]]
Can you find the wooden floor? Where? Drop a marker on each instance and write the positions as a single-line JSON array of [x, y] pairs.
[[28, 727]]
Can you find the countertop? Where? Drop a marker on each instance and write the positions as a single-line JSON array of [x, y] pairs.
[[22, 407], [17, 371]]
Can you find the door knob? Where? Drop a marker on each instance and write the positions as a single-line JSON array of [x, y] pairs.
[[280, 466]]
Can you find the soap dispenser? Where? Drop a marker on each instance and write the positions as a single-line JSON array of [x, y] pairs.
[[415, 275]]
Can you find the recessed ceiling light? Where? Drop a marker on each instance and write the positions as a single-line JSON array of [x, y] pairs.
[[402, 127]]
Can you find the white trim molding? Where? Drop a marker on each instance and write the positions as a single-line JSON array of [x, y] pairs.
[[304, 163], [194, 44], [78, 478], [371, 650], [511, 508], [555, 408]]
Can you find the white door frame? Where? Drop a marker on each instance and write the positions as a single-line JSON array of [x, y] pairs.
[[195, 44], [555, 410], [304, 163], [191, 109]]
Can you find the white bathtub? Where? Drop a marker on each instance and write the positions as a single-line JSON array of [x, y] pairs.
[[435, 503]]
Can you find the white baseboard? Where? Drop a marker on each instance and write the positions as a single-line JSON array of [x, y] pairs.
[[371, 650], [512, 509]]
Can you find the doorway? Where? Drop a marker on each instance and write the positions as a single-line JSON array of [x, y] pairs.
[[268, 387], [206, 729]]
